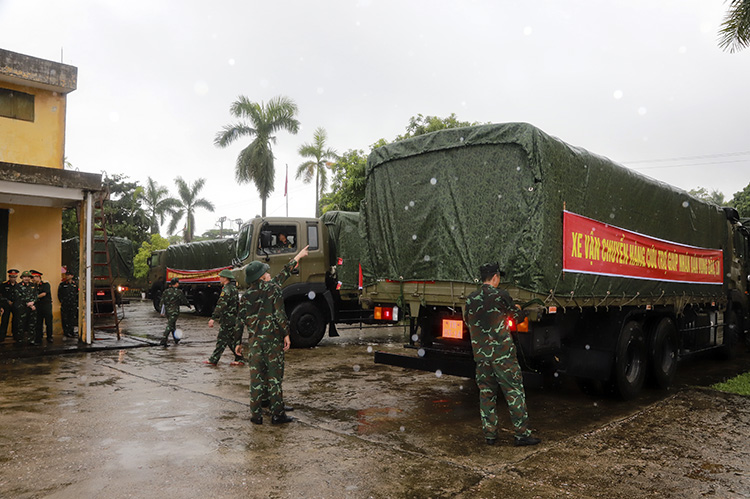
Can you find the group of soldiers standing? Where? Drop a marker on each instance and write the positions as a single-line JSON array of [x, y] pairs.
[[26, 306]]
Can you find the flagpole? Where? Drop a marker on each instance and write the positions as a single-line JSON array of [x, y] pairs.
[[286, 188]]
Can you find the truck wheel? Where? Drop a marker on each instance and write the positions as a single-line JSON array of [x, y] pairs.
[[662, 353], [630, 361], [202, 304], [731, 334], [307, 325], [156, 298]]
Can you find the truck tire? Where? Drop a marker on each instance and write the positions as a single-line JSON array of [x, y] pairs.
[[630, 361], [156, 299], [662, 353], [307, 325], [203, 304], [732, 329]]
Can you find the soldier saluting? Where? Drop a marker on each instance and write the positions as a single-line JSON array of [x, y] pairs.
[[262, 312], [485, 315]]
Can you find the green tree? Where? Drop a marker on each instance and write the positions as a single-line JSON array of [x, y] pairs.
[[255, 162], [420, 125], [714, 196], [734, 33], [186, 206], [158, 203], [347, 184], [140, 262], [123, 214], [320, 156], [741, 201]]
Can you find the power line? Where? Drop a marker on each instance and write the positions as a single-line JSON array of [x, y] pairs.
[[693, 164], [688, 158]]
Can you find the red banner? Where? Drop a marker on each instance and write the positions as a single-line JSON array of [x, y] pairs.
[[592, 247], [208, 276]]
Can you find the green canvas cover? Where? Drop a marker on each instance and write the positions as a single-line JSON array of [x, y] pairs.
[[439, 205], [121, 253], [201, 255], [349, 247]]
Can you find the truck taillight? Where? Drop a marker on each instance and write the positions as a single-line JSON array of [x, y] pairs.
[[517, 327], [510, 323], [386, 313], [453, 328]]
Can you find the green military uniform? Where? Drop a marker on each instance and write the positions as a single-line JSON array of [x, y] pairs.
[[67, 293], [43, 310], [262, 312], [171, 300], [6, 297], [485, 316], [24, 316], [225, 313]]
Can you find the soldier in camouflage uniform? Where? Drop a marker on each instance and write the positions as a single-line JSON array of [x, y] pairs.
[[171, 300], [226, 313], [24, 308], [262, 312], [485, 315], [67, 293], [6, 297]]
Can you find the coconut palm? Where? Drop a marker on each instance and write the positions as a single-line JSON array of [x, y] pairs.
[[255, 162], [315, 167], [186, 206], [158, 203], [734, 34]]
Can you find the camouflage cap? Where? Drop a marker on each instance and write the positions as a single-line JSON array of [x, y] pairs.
[[174, 281], [227, 274], [254, 270], [25, 273]]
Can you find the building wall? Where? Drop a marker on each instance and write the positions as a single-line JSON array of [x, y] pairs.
[[34, 242], [38, 143]]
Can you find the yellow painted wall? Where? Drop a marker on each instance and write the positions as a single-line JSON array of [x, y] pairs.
[[38, 143], [35, 242]]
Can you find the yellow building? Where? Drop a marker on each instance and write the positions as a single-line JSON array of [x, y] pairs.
[[34, 187]]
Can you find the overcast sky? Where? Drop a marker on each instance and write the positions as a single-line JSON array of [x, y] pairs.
[[642, 82]]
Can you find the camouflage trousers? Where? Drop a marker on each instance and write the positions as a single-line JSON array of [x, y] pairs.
[[266, 360], [505, 375], [225, 338], [25, 321], [171, 323]]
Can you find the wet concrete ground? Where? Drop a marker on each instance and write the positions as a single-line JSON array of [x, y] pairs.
[[154, 422]]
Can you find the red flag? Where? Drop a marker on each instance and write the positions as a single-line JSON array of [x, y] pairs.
[[360, 276], [286, 180]]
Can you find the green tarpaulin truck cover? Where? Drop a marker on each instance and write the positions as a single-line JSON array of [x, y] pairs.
[[439, 205]]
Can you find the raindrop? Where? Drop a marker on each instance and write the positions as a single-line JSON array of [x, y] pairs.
[[588, 347], [612, 215], [461, 139], [531, 189], [618, 94], [427, 258], [527, 31], [231, 62], [320, 90], [200, 87], [499, 196], [36, 236], [685, 204], [114, 116], [433, 181], [420, 352], [411, 204], [596, 404], [311, 295], [369, 349], [402, 428], [642, 111], [518, 168], [414, 337], [406, 208], [414, 237], [556, 375], [438, 373], [356, 368]]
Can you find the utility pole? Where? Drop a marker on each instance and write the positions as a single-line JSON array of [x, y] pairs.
[[220, 223], [238, 221]]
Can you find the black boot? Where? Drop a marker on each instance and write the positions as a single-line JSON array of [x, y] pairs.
[[281, 419], [256, 419], [525, 440]]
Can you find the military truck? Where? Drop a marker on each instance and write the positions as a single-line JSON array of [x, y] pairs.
[[323, 291], [197, 266], [620, 275]]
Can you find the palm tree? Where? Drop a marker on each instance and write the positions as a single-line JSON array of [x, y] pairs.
[[186, 206], [255, 162], [315, 166], [158, 203], [734, 34]]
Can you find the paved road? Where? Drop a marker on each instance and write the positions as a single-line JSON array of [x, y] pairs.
[[150, 422]]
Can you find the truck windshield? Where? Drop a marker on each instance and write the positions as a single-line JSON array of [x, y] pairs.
[[243, 242]]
